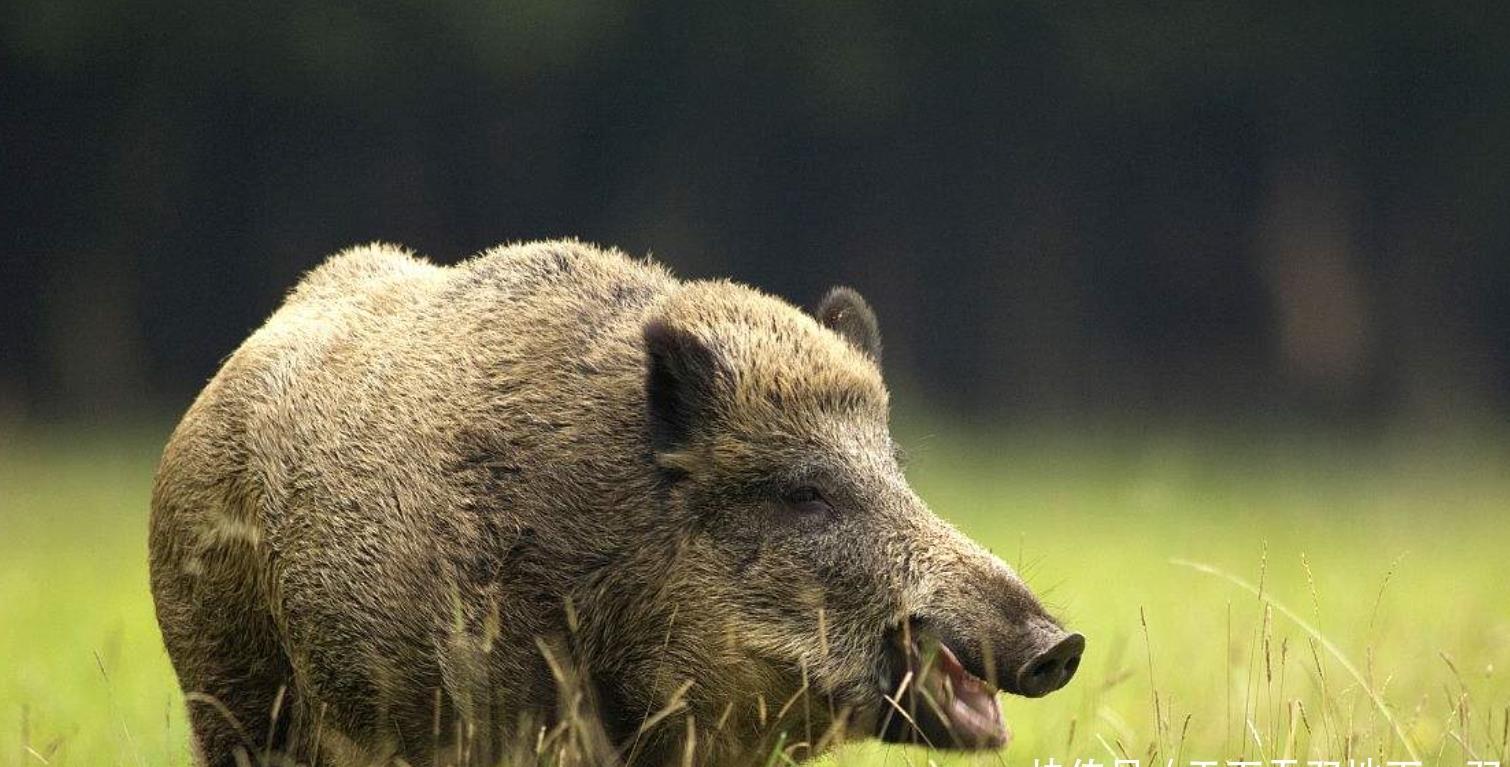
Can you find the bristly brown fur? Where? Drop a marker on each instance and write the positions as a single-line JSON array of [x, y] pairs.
[[455, 515]]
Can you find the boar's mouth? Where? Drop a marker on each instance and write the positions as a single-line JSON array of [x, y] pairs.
[[932, 699]]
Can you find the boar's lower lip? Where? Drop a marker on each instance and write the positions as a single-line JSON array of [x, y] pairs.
[[970, 705]]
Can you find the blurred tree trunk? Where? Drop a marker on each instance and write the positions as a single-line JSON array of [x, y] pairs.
[[1325, 327], [91, 326]]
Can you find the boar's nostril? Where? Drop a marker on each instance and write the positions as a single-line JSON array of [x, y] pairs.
[[1051, 669]]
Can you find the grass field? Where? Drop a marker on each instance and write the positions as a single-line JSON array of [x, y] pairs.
[[1382, 629]]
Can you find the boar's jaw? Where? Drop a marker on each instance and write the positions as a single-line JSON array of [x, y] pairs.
[[932, 699]]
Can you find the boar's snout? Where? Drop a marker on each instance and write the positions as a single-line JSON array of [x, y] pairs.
[[970, 627], [1031, 657], [1049, 667], [994, 624]]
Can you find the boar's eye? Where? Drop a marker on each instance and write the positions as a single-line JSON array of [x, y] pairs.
[[807, 500]]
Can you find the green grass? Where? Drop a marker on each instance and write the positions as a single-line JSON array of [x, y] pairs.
[[1394, 553]]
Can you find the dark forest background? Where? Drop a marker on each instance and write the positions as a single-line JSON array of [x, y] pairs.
[[1292, 211]]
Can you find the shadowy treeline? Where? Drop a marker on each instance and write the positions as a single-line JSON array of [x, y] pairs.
[[1273, 210]]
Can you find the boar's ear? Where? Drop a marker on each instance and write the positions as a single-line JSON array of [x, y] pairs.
[[678, 384], [846, 313]]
